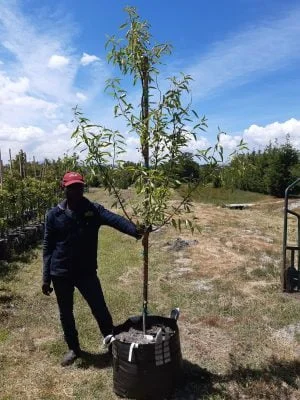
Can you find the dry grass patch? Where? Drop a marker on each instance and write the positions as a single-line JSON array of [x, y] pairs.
[[233, 322]]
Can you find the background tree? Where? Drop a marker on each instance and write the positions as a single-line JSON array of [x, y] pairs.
[[186, 168], [279, 174], [270, 171]]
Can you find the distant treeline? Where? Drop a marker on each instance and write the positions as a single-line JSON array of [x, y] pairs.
[[267, 171]]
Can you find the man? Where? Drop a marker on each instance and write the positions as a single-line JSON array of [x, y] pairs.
[[70, 257]]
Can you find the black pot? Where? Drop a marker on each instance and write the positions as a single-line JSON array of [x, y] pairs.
[[4, 249], [13, 240], [149, 371], [32, 234]]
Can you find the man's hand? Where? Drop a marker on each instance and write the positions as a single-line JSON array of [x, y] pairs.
[[47, 289], [142, 229]]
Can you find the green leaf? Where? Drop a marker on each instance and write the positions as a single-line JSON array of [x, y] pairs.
[[196, 115]]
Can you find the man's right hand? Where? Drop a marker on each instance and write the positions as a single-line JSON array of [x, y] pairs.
[[141, 230], [47, 289]]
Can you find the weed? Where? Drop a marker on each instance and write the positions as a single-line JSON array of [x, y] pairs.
[[4, 334]]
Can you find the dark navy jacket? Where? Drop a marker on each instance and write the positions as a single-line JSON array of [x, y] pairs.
[[71, 238]]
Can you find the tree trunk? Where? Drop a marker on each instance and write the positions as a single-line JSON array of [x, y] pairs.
[[145, 287], [145, 151]]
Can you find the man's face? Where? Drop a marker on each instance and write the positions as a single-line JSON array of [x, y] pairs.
[[74, 192]]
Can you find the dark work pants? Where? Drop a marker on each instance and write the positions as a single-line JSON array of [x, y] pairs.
[[91, 290]]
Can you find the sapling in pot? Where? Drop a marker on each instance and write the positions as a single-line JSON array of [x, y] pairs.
[[165, 124]]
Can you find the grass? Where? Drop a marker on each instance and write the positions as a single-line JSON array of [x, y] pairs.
[[4, 334], [219, 196], [236, 327]]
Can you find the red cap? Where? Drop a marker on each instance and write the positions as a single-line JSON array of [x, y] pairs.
[[72, 177]]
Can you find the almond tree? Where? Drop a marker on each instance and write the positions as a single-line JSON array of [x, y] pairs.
[[165, 124]]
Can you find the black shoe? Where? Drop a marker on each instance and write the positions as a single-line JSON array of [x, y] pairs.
[[70, 357]]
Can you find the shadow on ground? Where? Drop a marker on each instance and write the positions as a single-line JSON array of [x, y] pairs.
[[196, 383], [8, 269], [96, 360], [276, 380]]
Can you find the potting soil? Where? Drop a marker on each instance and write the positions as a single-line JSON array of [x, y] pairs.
[[137, 336]]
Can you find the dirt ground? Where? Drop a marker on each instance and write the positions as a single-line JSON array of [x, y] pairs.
[[240, 335], [237, 318]]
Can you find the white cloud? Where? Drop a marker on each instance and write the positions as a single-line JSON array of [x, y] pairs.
[[46, 95], [52, 149], [30, 49], [255, 51], [38, 81], [201, 143], [9, 88], [262, 135], [132, 145], [35, 141], [36, 100], [20, 134], [15, 101], [58, 62], [87, 59], [63, 130], [258, 137], [81, 96], [31, 102], [229, 142]]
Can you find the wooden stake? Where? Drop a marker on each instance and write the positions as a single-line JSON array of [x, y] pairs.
[[24, 164], [10, 161], [34, 167], [20, 163]]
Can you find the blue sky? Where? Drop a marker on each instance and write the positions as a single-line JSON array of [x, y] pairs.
[[244, 56]]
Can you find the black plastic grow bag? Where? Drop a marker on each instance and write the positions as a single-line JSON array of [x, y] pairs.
[[4, 249], [149, 371]]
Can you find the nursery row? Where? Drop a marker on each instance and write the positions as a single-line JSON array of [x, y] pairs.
[[18, 240], [25, 200], [23, 204]]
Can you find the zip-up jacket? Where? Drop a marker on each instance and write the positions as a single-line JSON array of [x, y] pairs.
[[71, 238]]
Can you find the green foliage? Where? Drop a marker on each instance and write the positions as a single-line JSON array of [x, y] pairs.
[[164, 122], [279, 173], [269, 172], [186, 168], [31, 188], [23, 199], [124, 176]]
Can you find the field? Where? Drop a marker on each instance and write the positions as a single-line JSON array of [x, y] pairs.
[[240, 335]]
